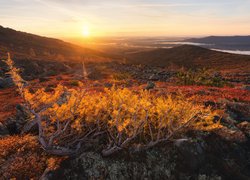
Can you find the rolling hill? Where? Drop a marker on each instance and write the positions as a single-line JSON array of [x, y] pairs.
[[191, 56], [29, 46]]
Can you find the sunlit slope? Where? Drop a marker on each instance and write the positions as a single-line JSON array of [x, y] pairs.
[[24, 45]]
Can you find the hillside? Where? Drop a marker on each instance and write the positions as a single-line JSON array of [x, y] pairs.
[[191, 56], [29, 46]]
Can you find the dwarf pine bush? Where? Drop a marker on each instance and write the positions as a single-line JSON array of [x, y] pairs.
[[70, 118]]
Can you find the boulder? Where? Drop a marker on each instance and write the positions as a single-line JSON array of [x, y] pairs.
[[108, 85], [154, 77], [232, 135], [6, 82], [238, 111], [150, 85], [244, 127], [3, 130], [246, 88], [191, 154], [91, 165]]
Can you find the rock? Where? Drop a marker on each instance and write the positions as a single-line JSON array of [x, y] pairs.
[[16, 124], [150, 85], [22, 116], [78, 78], [245, 127], [2, 72], [204, 158], [205, 177], [231, 134], [3, 130], [59, 78], [238, 111], [108, 85], [6, 82], [179, 142], [43, 79], [96, 84], [29, 78], [48, 89], [154, 77], [229, 158], [246, 88], [191, 154], [91, 165], [12, 126]]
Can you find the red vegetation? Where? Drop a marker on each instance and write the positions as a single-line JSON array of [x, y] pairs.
[[9, 98], [214, 94]]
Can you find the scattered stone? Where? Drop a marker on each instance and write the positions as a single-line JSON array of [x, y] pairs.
[[192, 153], [205, 177], [239, 111], [245, 127], [78, 78], [22, 116], [96, 84], [154, 77], [108, 85], [2, 72], [6, 82], [43, 79], [246, 88], [3, 130], [29, 78], [150, 85], [48, 89], [231, 135], [59, 78], [12, 126], [179, 142]]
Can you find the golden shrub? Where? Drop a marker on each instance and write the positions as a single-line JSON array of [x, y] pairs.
[[67, 117], [122, 113]]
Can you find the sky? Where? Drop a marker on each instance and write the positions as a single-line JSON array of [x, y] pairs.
[[74, 18]]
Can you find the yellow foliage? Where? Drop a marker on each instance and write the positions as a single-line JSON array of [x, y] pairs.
[[121, 111]]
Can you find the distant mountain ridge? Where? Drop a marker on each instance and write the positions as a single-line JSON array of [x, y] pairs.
[[190, 56], [224, 42], [24, 45], [222, 39]]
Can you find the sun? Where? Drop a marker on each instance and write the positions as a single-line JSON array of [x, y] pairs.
[[85, 31]]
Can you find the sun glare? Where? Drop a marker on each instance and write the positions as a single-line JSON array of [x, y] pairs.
[[85, 31]]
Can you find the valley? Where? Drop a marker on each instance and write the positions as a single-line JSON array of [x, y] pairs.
[[150, 113]]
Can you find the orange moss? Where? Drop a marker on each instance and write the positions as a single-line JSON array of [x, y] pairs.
[[21, 157]]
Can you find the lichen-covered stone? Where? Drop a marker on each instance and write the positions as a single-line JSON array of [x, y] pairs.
[[90, 165]]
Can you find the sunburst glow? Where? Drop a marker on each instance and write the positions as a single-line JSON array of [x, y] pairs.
[[86, 31]]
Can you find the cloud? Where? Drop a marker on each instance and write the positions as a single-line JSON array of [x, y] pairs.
[[71, 20]]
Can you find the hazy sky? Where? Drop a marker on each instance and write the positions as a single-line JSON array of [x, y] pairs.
[[68, 18]]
